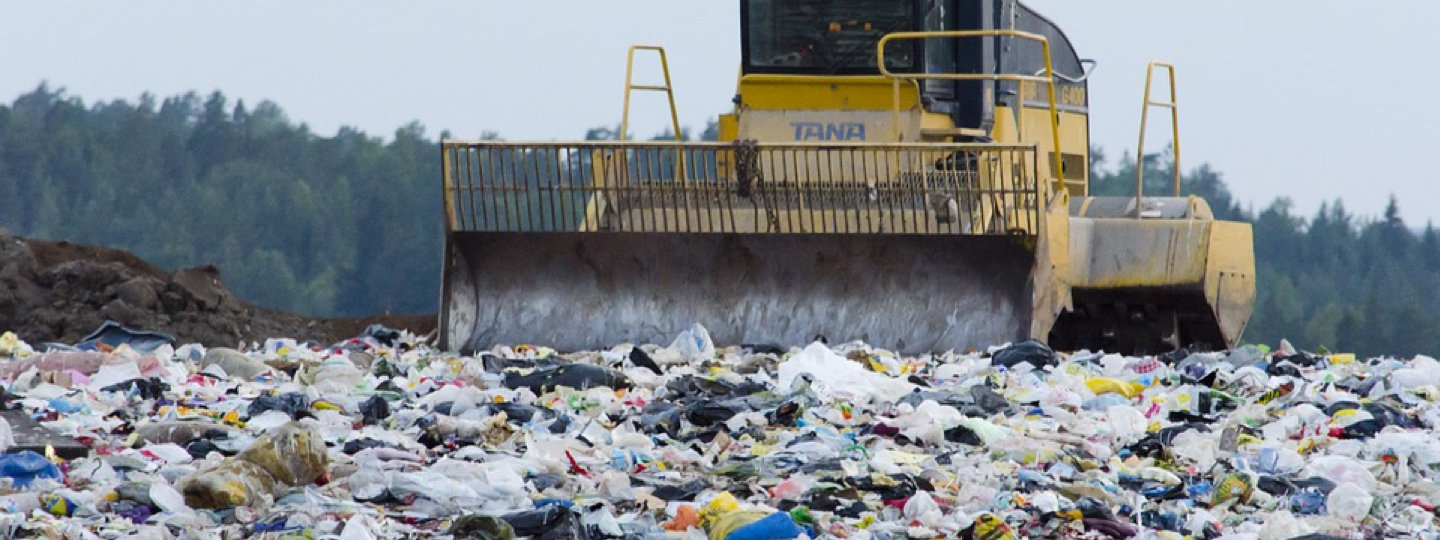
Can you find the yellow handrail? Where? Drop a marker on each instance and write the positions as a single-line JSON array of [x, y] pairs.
[[629, 86], [667, 88], [1174, 106], [1048, 78]]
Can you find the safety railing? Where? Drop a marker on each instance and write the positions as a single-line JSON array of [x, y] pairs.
[[746, 187], [1174, 106], [1046, 77]]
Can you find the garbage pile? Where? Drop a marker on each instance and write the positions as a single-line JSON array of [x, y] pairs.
[[383, 437]]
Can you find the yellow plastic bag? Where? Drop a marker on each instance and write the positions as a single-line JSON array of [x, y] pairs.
[[991, 527], [232, 483], [723, 503], [293, 454], [10, 345], [1104, 385]]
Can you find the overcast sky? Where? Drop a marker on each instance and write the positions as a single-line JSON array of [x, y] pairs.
[[1310, 99]]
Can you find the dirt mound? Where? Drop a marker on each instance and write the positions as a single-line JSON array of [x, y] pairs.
[[59, 291]]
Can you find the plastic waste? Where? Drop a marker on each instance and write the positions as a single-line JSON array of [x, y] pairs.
[[923, 507], [1032, 352], [1247, 355], [1341, 469], [11, 345], [686, 517], [293, 454], [291, 404], [375, 409], [694, 344], [1349, 502], [986, 431], [1103, 385], [1196, 447], [55, 363], [1125, 422], [166, 498], [1308, 502], [642, 359], [24, 468], [573, 376], [791, 488], [776, 526], [111, 334], [381, 436], [235, 363], [1236, 487], [551, 522], [57, 504], [7, 435], [113, 374], [481, 528], [383, 335], [837, 375]]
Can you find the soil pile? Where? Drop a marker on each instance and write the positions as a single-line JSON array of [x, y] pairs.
[[59, 291]]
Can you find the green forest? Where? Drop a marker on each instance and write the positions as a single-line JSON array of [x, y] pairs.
[[351, 224]]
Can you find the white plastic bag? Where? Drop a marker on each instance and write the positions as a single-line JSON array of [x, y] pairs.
[[7, 436], [1422, 371], [1282, 525], [839, 376], [1126, 423], [1349, 502], [923, 508], [1341, 469], [1198, 447], [694, 344]]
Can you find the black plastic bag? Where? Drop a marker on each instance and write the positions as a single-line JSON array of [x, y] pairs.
[[1032, 351], [641, 359], [374, 410], [292, 404], [577, 376], [552, 522], [481, 528]]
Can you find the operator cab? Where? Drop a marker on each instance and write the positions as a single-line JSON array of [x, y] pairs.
[[830, 38]]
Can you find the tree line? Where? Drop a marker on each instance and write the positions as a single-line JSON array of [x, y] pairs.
[[351, 224]]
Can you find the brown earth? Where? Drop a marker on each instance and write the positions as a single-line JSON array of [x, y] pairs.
[[61, 292]]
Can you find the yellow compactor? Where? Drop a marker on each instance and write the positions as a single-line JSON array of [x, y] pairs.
[[911, 174]]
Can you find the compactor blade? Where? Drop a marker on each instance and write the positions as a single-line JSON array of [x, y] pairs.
[[572, 291]]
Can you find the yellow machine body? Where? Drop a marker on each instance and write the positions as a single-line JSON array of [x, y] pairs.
[[916, 208]]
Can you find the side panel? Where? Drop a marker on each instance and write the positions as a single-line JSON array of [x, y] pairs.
[[1052, 268], [1230, 277], [578, 291], [1158, 283], [1034, 128], [1129, 253]]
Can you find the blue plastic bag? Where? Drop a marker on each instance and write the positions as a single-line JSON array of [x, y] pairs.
[[23, 468], [777, 526]]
